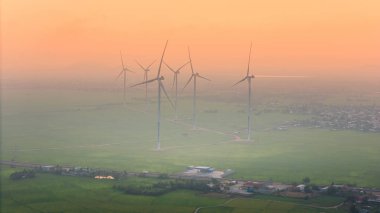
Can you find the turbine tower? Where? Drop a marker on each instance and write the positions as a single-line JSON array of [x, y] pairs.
[[159, 78], [194, 77], [146, 71], [249, 78], [123, 72], [175, 83]]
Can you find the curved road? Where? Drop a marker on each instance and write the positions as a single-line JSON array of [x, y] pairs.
[[313, 206]]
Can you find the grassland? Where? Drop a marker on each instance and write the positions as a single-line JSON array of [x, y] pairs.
[[51, 193], [93, 129]]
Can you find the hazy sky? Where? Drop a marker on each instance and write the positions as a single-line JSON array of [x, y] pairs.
[[66, 39]]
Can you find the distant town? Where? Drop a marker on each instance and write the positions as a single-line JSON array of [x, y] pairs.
[[360, 118]]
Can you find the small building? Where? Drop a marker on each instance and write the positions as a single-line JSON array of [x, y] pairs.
[[204, 169], [301, 187], [205, 172], [324, 189], [248, 186], [47, 168]]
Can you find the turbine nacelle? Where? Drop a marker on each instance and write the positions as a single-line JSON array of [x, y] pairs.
[[125, 69], [145, 69]]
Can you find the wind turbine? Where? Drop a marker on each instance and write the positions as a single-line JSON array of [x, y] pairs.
[[249, 79], [160, 86], [175, 83], [194, 77], [146, 71], [123, 72]]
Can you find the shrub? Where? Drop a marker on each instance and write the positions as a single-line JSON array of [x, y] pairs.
[[22, 175]]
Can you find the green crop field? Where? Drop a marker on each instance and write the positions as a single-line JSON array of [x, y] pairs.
[[253, 205], [93, 129], [51, 193]]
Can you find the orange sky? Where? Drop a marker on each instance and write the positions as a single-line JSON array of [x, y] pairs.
[[44, 39]]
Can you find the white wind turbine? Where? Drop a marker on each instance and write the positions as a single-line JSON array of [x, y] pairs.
[[146, 71], [123, 72], [194, 77], [249, 79], [160, 87], [175, 83]]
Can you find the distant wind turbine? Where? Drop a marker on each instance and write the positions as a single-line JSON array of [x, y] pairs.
[[175, 83], [146, 71], [160, 87], [194, 77], [249, 78], [123, 72]]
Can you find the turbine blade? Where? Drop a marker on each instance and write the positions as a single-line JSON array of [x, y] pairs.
[[191, 77], [191, 63], [150, 64], [239, 81], [122, 61], [129, 70], [118, 76], [162, 58], [166, 94], [142, 67], [171, 69], [174, 79], [182, 66], [249, 58], [204, 78], [145, 82], [145, 76]]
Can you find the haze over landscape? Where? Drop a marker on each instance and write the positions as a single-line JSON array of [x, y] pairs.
[[88, 124]]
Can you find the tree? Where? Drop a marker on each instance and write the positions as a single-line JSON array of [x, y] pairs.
[[353, 209], [315, 187], [163, 176], [331, 190], [22, 175], [215, 181], [306, 180], [307, 189]]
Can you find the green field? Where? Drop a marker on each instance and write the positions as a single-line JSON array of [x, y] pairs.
[[51, 193], [93, 129]]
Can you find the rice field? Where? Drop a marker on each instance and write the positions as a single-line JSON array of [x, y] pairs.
[[51, 193], [93, 129]]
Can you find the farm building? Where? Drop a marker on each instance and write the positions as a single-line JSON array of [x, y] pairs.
[[205, 172], [201, 169]]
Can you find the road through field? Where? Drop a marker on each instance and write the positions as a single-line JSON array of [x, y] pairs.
[[220, 205], [274, 201]]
